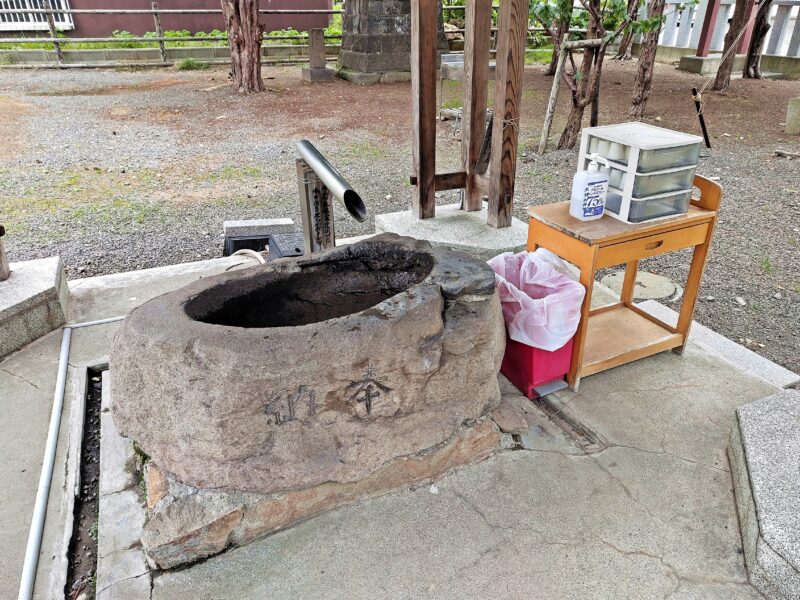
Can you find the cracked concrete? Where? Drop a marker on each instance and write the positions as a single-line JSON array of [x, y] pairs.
[[648, 512], [638, 504]]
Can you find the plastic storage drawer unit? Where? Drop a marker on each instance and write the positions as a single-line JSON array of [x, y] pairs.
[[665, 158], [663, 183], [653, 207]]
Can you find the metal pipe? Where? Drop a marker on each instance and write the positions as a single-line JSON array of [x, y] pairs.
[[333, 180], [40, 508]]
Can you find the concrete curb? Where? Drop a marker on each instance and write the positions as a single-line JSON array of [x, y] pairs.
[[764, 457], [122, 570]]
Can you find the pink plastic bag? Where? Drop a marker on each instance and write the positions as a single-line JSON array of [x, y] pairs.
[[541, 306]]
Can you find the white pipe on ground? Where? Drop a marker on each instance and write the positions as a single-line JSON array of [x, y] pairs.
[[40, 508]]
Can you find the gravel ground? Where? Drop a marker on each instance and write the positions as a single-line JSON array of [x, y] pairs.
[[120, 170]]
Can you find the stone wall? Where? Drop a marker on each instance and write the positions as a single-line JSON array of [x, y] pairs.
[[376, 39]]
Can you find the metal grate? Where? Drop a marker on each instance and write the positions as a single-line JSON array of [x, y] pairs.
[[22, 21]]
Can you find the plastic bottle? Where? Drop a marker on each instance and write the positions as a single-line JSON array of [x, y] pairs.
[[589, 189]]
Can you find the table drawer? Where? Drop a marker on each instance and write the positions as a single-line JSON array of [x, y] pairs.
[[651, 245]]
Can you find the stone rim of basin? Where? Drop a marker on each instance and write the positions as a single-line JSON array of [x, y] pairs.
[[271, 409]]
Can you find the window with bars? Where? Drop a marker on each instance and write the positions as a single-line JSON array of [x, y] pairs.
[[22, 21]]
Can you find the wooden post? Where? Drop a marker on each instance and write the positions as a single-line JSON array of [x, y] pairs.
[[162, 48], [709, 23], [424, 35], [551, 103], [5, 270], [512, 27], [316, 210], [478, 34], [51, 25]]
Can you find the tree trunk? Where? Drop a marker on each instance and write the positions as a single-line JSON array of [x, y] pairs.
[[563, 27], [752, 68], [588, 89], [244, 37], [625, 50], [739, 20], [647, 59]]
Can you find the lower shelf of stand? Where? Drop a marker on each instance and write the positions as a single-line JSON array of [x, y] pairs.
[[619, 333]]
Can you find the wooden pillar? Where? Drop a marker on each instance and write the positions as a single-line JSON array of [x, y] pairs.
[[51, 25], [162, 47], [709, 21], [744, 42], [424, 30], [512, 28], [5, 270], [477, 38]]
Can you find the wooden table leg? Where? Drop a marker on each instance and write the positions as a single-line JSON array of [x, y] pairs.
[[691, 290], [629, 283], [587, 280]]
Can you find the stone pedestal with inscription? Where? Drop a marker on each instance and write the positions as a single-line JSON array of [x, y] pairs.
[[314, 372]]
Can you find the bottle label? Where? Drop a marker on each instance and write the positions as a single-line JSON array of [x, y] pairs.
[[593, 200]]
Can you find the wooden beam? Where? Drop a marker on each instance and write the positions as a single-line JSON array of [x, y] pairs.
[[477, 39], [446, 181], [424, 32], [512, 29]]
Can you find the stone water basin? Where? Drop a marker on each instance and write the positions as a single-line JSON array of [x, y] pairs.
[[311, 370]]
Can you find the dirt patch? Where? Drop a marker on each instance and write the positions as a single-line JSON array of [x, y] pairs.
[[115, 90], [12, 110], [82, 570]]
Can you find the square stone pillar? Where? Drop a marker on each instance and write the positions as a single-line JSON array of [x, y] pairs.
[[376, 41]]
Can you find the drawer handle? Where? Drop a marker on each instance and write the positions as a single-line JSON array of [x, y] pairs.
[[654, 245]]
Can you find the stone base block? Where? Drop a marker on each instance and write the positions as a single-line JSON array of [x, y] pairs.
[[457, 229], [764, 453], [793, 117], [188, 524], [257, 227], [316, 75], [374, 78], [708, 65], [33, 302]]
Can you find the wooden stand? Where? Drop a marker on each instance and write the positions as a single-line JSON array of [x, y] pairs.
[[498, 183], [621, 332]]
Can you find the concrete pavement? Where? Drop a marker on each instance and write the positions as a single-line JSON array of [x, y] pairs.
[[647, 513]]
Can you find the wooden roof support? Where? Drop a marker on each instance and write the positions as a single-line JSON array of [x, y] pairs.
[[424, 31], [478, 16], [513, 27]]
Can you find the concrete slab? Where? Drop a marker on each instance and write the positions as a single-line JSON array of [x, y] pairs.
[[648, 286], [458, 229], [742, 358], [33, 302], [765, 457]]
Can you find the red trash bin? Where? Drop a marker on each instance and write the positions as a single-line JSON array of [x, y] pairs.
[[542, 308]]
